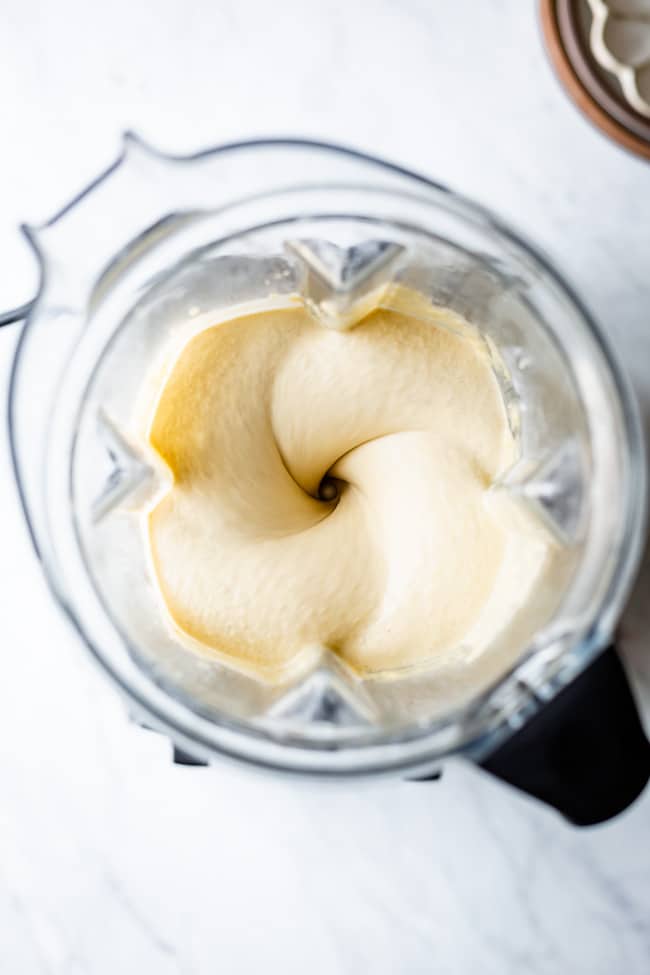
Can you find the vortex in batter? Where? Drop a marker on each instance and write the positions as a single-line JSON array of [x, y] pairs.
[[330, 490]]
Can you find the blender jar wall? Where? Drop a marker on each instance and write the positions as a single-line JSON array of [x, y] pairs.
[[235, 194]]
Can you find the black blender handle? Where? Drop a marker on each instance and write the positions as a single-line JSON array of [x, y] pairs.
[[585, 752]]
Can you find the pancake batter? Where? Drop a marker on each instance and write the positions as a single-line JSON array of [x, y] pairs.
[[330, 489]]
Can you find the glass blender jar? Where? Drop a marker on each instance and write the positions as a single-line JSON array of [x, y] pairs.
[[157, 241]]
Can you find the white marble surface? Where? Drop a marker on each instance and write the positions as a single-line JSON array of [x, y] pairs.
[[111, 859]]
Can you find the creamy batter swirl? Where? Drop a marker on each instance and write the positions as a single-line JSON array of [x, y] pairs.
[[330, 490]]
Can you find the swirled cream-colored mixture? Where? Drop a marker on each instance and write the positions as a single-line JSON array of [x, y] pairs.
[[330, 490]]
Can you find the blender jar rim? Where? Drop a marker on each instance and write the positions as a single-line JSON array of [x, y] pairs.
[[595, 635]]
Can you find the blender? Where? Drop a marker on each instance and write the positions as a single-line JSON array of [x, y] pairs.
[[157, 242]]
